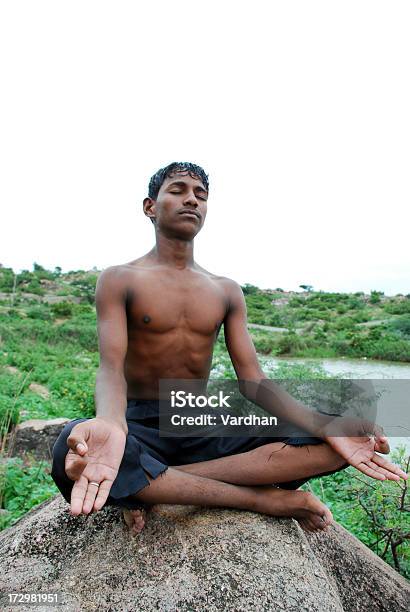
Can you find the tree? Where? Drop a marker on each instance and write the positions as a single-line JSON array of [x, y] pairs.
[[306, 287], [249, 289]]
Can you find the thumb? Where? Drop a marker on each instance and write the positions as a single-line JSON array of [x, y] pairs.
[[381, 440], [370, 428], [379, 433], [76, 441]]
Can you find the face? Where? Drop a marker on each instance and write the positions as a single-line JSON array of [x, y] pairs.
[[181, 206]]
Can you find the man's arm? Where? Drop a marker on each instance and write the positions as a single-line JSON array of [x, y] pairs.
[[97, 445], [358, 449], [253, 382], [111, 386]]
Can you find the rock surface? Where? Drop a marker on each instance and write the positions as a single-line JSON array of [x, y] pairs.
[[193, 559], [40, 390], [36, 437]]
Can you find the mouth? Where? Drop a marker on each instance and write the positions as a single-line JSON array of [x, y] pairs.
[[190, 213]]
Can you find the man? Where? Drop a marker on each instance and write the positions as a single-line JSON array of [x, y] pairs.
[[158, 318]]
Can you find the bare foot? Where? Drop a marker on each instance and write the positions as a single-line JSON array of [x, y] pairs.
[[135, 519], [311, 514]]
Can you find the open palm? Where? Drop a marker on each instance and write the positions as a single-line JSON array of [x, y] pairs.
[[98, 462], [358, 447]]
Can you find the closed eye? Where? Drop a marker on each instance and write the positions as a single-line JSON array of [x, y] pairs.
[[178, 192]]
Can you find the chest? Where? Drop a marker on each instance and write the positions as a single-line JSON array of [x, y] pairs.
[[165, 304]]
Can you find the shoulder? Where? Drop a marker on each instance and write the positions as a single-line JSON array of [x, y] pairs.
[[113, 273], [233, 290], [114, 278]]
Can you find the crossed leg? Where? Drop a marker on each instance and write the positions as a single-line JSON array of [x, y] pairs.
[[273, 463], [237, 481]]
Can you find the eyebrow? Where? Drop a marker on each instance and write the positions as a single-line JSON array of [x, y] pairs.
[[183, 184]]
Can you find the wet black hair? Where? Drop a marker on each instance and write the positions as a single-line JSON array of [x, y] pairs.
[[159, 177]]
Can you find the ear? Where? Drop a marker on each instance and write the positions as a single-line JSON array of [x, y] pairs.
[[149, 208]]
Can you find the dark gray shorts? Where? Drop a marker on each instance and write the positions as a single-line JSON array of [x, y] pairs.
[[148, 453]]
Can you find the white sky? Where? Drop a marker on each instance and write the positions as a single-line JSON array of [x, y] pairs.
[[299, 112]]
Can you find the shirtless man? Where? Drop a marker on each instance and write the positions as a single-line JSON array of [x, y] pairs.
[[158, 318]]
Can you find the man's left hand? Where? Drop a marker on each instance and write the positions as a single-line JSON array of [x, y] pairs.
[[360, 451]]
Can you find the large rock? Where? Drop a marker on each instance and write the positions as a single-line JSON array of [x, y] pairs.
[[35, 437], [190, 559]]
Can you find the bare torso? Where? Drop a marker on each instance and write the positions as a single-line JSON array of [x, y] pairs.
[[173, 320]]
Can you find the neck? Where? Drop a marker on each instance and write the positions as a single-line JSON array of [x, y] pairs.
[[172, 252]]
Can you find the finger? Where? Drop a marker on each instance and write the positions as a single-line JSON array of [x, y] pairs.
[[386, 473], [90, 496], [103, 493], [390, 467], [369, 471], [81, 448], [78, 493], [382, 446]]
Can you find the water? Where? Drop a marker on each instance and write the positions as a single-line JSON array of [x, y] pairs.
[[353, 368]]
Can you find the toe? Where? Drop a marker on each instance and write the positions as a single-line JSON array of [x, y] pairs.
[[305, 525], [318, 522]]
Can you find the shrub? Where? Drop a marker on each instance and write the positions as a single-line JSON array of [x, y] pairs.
[[249, 289], [375, 297], [22, 487], [6, 279], [34, 287], [39, 312], [402, 307], [273, 319], [42, 273], [264, 344], [75, 385], [290, 343], [402, 326], [344, 323], [62, 309], [355, 304]]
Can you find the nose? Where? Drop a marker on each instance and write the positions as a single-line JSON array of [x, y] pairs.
[[191, 199]]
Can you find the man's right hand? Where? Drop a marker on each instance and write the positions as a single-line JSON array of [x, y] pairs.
[[96, 451]]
